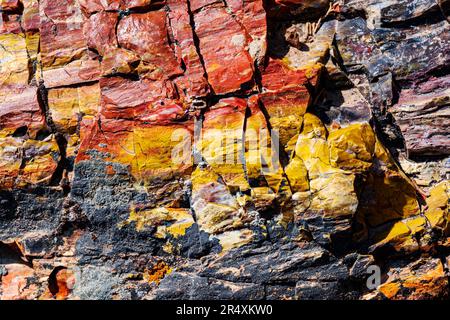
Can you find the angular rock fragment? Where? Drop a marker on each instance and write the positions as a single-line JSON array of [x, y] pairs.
[[437, 211], [222, 142], [215, 208], [15, 284], [252, 16], [28, 162], [203, 288], [433, 41], [193, 82], [69, 107], [61, 29], [92, 6], [20, 112], [422, 114], [172, 223], [73, 73], [206, 149], [358, 49], [287, 98], [283, 9], [228, 65], [119, 61], [146, 34], [30, 18], [423, 279], [13, 54], [262, 159], [341, 108], [393, 12], [9, 23], [100, 31]]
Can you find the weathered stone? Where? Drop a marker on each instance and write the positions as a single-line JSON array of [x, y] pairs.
[[20, 112], [13, 52], [10, 23], [119, 61], [203, 288], [133, 4], [437, 211], [28, 162], [433, 39], [15, 284], [423, 279], [91, 6], [231, 57], [10, 5], [214, 206], [73, 73], [147, 35], [169, 221], [100, 31], [273, 264], [210, 149], [312, 9], [393, 12], [68, 105], [222, 141], [252, 16], [61, 29], [426, 173], [423, 116], [30, 18], [194, 82], [262, 159]]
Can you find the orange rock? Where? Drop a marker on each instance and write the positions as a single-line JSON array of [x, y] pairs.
[[228, 64], [157, 272], [222, 142], [16, 284], [100, 31], [62, 39], [68, 105], [119, 61]]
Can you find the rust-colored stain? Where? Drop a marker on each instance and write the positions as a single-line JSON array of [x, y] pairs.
[[157, 272]]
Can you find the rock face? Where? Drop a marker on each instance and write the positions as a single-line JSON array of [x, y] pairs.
[[202, 149]]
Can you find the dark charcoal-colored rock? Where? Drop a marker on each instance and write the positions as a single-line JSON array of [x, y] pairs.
[[185, 286]]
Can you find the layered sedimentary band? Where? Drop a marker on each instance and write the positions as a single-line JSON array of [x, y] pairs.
[[206, 149]]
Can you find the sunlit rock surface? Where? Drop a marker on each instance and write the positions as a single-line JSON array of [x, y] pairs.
[[203, 149]]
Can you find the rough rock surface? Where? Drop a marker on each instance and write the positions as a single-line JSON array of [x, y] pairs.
[[240, 149]]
